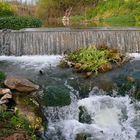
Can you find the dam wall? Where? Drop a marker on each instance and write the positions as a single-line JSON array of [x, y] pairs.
[[62, 40]]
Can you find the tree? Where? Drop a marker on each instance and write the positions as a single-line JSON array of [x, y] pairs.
[[56, 8]]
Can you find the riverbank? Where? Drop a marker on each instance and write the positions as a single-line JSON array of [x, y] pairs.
[[111, 13]]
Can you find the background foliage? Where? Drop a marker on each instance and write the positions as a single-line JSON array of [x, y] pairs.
[[7, 9], [17, 22]]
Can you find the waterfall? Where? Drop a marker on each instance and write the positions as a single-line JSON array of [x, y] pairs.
[[61, 40]]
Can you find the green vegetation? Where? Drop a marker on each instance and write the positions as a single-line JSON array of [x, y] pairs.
[[121, 12], [57, 96], [7, 9], [92, 59], [9, 20], [17, 22], [2, 76], [56, 8], [101, 12], [12, 122]]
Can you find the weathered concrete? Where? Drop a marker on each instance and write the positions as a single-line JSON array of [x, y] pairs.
[[60, 40]]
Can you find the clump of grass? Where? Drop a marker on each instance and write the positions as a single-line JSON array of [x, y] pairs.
[[94, 60]]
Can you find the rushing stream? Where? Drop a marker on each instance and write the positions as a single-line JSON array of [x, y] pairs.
[[111, 117]]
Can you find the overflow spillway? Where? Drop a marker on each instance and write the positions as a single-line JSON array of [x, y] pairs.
[[60, 40]]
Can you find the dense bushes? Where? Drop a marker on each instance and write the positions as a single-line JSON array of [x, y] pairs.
[[6, 9], [17, 22]]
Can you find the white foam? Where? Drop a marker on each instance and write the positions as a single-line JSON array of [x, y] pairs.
[[111, 119], [136, 56], [37, 62], [108, 113]]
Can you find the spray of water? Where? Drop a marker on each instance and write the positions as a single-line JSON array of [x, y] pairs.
[[111, 119]]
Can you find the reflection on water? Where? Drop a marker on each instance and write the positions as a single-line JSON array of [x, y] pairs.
[[54, 22]]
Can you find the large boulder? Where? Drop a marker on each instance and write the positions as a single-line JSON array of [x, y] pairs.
[[20, 84]]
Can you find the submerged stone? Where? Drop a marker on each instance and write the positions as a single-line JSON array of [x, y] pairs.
[[130, 79], [105, 67], [82, 136], [57, 96]]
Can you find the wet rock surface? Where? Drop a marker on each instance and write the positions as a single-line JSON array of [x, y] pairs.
[[19, 135], [20, 84]]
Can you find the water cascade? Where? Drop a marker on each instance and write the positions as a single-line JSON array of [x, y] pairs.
[[64, 40], [111, 119]]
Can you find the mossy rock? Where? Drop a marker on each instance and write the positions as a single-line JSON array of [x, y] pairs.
[[84, 117], [57, 96]]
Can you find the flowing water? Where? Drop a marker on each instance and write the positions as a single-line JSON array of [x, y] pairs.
[[48, 41], [112, 117]]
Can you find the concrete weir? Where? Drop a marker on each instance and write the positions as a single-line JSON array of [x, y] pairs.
[[49, 41]]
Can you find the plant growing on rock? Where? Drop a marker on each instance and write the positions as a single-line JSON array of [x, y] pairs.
[[11, 123], [2, 76], [93, 59]]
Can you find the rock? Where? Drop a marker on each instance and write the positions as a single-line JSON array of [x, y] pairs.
[[3, 101], [20, 84], [77, 66], [130, 79], [4, 91], [28, 108], [105, 67], [88, 74], [21, 135], [6, 96], [57, 96], [84, 117], [64, 64]]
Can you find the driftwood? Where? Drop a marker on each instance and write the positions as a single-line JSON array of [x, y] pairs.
[[66, 17]]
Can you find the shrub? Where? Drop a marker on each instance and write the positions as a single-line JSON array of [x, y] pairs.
[[6, 9], [17, 22]]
